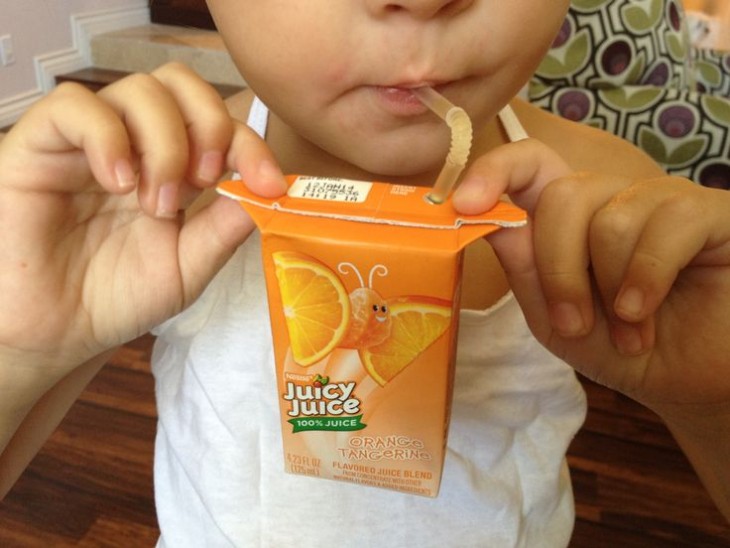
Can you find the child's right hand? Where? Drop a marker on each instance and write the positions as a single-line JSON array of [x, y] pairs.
[[94, 250]]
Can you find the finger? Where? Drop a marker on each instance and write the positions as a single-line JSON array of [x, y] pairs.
[[613, 235], [251, 157], [623, 232], [207, 240], [515, 251], [158, 135], [562, 219], [689, 226], [522, 170], [209, 125], [43, 142]]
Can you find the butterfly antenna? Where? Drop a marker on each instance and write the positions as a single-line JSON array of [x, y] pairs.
[[380, 270], [342, 268]]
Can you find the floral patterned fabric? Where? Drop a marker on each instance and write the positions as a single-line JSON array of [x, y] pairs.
[[626, 66], [712, 70]]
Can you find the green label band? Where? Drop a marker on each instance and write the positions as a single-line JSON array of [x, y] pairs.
[[330, 424]]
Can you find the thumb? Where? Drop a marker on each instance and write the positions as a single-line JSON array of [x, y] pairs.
[[521, 170], [251, 157], [207, 241]]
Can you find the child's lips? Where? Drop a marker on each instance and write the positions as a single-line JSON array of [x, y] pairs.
[[399, 100]]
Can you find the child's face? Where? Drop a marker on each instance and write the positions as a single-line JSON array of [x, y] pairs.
[[334, 71]]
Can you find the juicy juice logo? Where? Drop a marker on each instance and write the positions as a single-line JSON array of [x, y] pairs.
[[323, 406]]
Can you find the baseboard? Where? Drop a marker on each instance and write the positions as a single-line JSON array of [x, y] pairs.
[[13, 107], [84, 26]]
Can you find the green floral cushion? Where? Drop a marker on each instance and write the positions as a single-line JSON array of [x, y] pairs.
[[712, 71], [625, 66]]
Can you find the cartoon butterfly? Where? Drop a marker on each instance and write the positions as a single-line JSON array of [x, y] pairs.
[[388, 334]]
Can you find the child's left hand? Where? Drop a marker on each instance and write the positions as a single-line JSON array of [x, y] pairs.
[[628, 281]]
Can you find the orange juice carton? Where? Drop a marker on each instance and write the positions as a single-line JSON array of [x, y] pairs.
[[363, 283]]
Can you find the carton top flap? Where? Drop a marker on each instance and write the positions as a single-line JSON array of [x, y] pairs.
[[370, 202]]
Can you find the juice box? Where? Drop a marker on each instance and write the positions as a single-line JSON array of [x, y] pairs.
[[363, 283]]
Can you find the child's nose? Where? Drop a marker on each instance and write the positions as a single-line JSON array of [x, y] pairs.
[[420, 8]]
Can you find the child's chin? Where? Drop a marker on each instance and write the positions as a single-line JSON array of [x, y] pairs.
[[404, 169], [394, 159]]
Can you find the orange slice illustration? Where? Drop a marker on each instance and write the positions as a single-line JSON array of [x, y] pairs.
[[316, 306], [416, 324]]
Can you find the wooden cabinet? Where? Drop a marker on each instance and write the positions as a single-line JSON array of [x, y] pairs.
[[184, 13]]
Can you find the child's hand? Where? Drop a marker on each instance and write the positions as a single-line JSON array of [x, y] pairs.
[[627, 281], [94, 250]]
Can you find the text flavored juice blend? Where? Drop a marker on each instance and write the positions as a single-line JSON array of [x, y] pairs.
[[363, 285]]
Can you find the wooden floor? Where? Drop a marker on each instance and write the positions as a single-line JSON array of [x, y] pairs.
[[92, 483]]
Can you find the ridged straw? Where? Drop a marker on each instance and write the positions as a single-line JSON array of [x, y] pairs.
[[461, 135]]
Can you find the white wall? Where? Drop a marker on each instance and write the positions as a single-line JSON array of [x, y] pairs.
[[51, 37]]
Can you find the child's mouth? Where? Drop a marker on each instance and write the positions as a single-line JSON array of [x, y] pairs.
[[399, 100]]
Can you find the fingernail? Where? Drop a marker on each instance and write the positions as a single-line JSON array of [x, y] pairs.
[[470, 188], [167, 201], [470, 196], [567, 319], [126, 177], [269, 173], [627, 339], [630, 303], [210, 166]]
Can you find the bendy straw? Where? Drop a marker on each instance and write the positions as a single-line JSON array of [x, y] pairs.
[[461, 134]]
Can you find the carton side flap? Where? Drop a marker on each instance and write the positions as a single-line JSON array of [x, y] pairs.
[[260, 215]]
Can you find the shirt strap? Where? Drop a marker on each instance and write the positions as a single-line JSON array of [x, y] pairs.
[[258, 117]]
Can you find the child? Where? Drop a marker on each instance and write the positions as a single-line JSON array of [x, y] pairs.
[[622, 273]]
